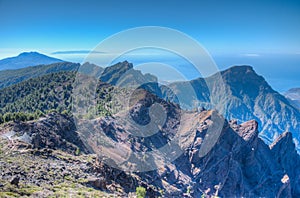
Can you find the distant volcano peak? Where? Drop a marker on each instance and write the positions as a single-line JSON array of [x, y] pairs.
[[26, 59]]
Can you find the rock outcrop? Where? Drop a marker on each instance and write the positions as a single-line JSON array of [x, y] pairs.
[[239, 165], [55, 131]]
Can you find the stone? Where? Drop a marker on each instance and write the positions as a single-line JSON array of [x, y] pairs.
[[15, 180], [98, 183]]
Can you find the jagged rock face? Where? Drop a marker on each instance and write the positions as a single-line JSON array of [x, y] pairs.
[[238, 164], [112, 74], [55, 131], [124, 75], [283, 150], [126, 135]]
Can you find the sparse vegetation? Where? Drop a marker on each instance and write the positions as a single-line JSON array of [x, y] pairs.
[[44, 180], [140, 192], [77, 152]]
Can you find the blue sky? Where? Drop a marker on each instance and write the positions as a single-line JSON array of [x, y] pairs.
[[233, 32]]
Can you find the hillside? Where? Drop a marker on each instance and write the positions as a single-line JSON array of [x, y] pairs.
[[11, 77], [32, 98], [51, 91], [50, 87]]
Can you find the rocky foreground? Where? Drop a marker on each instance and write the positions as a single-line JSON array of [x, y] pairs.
[[45, 158]]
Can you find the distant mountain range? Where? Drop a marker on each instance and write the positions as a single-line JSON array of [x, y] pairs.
[[293, 95], [26, 59]]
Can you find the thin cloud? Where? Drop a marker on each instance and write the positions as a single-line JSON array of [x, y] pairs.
[[251, 55], [78, 52]]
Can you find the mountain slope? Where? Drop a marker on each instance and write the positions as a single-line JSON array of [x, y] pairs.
[[26, 59], [11, 77], [49, 87], [51, 91], [246, 96], [239, 164]]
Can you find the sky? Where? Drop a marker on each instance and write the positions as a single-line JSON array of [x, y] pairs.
[[264, 34]]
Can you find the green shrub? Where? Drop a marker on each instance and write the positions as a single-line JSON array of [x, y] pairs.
[[140, 192], [77, 152]]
